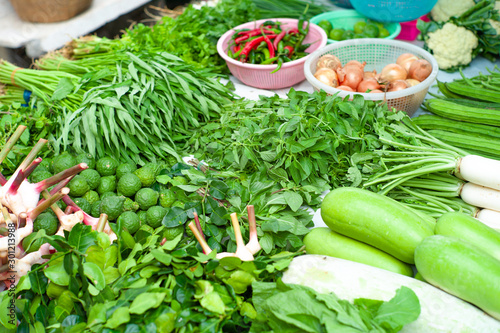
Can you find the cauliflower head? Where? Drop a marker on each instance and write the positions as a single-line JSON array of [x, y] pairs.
[[452, 45], [444, 9], [496, 24]]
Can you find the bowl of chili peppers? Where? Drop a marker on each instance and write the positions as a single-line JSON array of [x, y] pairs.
[[270, 53]]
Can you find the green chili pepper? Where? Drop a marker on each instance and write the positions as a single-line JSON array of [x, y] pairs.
[[251, 57], [265, 52], [280, 46], [230, 54], [280, 62], [270, 61]]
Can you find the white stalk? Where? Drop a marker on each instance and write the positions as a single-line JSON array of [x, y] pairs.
[[481, 196], [489, 217], [204, 245], [19, 235], [241, 250], [253, 244], [479, 170], [23, 265]]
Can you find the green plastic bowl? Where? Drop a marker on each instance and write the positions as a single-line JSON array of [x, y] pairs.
[[346, 18]]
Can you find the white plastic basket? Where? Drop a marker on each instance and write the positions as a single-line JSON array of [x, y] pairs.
[[377, 53]]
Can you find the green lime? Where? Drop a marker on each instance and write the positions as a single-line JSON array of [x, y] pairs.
[[96, 209], [83, 204], [125, 168], [167, 198], [348, 34], [130, 221], [87, 159], [78, 186], [325, 25], [91, 196], [108, 194], [46, 221], [130, 205], [35, 246], [171, 233], [359, 27], [170, 162], [45, 164], [38, 176], [92, 176], [383, 33], [106, 166], [147, 175], [61, 204], [146, 197], [112, 206], [107, 184], [129, 184], [178, 203], [358, 36], [371, 30], [55, 290], [336, 34], [179, 180], [63, 162], [155, 215], [142, 216]]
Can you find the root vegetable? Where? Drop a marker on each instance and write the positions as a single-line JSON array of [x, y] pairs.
[[397, 85], [412, 82], [350, 75], [23, 265], [376, 91], [253, 244], [405, 60], [369, 75], [392, 72], [242, 251], [327, 76], [328, 61], [420, 70], [479, 170], [368, 84], [346, 88], [481, 196], [489, 217]]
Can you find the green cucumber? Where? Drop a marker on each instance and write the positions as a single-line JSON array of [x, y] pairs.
[[376, 220], [327, 242], [461, 269], [469, 229]]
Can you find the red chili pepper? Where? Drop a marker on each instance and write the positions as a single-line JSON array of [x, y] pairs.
[[290, 50], [258, 30], [278, 38], [269, 45], [251, 34], [253, 43], [293, 31]]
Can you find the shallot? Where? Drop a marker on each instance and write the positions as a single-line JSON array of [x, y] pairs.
[[346, 88], [328, 61], [397, 85], [392, 72], [350, 75], [405, 60], [420, 70], [412, 82], [368, 84], [327, 76]]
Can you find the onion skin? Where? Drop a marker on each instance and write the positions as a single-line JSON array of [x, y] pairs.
[[392, 72], [356, 63], [346, 88], [368, 84], [405, 60], [412, 82], [397, 85], [376, 91], [328, 61], [327, 76], [420, 70], [369, 75], [350, 75]]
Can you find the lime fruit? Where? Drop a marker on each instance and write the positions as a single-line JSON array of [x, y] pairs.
[[171, 233], [106, 166], [154, 216], [46, 221], [78, 186], [125, 168], [87, 159], [130, 205], [359, 27], [325, 25], [383, 33], [92, 176], [142, 216], [147, 175], [96, 209], [63, 162], [108, 194], [91, 197], [371, 30], [83, 204], [167, 198], [348, 34], [38, 176], [336, 34], [130, 221], [107, 184], [112, 206], [146, 197], [129, 184]]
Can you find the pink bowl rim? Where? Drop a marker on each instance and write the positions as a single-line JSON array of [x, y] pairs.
[[229, 34]]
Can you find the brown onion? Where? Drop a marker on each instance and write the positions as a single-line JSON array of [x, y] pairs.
[[368, 84], [350, 75], [420, 70], [376, 91], [328, 61], [397, 85], [392, 72], [346, 88], [405, 60], [356, 63], [327, 76], [412, 82], [369, 75]]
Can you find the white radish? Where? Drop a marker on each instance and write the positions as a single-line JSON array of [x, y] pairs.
[[440, 311], [481, 196], [479, 170], [489, 217]]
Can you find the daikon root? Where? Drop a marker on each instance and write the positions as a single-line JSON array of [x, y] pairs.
[[489, 217], [481, 196], [479, 170]]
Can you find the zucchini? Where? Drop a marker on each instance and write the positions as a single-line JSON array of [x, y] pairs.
[[471, 230], [327, 242], [461, 269], [447, 109], [440, 311], [376, 220]]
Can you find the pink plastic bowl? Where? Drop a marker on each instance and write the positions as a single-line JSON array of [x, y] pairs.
[[260, 76]]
